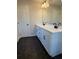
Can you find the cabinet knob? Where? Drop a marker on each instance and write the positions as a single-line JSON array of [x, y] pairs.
[[27, 24], [18, 23]]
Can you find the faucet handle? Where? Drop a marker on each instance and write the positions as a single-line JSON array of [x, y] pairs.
[[59, 24], [54, 23]]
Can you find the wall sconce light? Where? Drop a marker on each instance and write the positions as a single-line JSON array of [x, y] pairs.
[[45, 4]]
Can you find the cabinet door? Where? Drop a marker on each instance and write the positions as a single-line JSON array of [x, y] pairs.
[[39, 33], [23, 22], [46, 38], [56, 44]]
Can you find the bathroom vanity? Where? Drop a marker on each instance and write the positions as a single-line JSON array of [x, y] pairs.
[[50, 38]]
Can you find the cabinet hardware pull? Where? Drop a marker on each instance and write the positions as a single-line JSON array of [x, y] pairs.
[[44, 37]]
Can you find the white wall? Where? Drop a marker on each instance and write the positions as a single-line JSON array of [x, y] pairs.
[[35, 15]]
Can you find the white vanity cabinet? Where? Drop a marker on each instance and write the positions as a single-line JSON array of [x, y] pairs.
[[52, 41]]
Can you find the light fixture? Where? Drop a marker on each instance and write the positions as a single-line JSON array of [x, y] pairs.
[[45, 4]]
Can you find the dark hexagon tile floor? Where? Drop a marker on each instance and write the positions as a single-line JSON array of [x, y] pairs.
[[31, 48]]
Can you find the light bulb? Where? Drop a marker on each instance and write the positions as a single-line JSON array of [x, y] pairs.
[[45, 5]]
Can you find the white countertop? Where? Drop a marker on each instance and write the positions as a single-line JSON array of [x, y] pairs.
[[50, 28]]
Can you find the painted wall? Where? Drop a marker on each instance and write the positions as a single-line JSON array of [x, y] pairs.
[[35, 15]]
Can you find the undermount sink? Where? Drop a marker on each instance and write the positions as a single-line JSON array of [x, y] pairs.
[[53, 27]]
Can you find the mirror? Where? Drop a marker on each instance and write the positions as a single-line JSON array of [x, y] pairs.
[[53, 13]]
